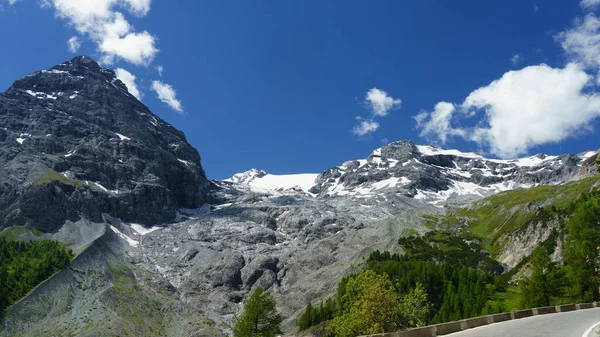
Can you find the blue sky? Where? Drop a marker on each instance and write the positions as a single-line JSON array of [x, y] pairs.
[[278, 85]]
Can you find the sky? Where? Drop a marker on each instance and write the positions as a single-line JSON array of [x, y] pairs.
[[301, 86]]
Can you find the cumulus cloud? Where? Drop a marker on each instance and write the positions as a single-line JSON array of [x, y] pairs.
[[138, 7], [380, 102], [435, 125], [108, 28], [137, 48], [587, 4], [129, 80], [365, 127], [582, 42], [12, 2], [73, 44], [159, 70], [167, 94], [523, 109]]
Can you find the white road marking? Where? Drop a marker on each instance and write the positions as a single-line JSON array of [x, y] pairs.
[[588, 331]]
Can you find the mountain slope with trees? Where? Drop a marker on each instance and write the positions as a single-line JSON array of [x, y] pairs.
[[456, 266]]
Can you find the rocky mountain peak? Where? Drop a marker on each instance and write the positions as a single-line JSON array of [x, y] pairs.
[[248, 176], [401, 150], [75, 140]]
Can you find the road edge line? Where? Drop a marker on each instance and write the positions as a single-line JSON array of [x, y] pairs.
[[589, 330]]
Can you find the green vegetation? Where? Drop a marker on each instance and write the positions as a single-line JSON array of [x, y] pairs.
[[26, 264], [370, 304], [259, 317], [490, 219], [315, 315], [15, 233], [455, 291], [55, 176], [581, 248], [134, 310], [546, 283], [452, 266]]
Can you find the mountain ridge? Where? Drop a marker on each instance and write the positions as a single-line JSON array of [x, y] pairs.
[[467, 173]]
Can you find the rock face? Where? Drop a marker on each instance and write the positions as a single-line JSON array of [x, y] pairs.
[[74, 143], [440, 176]]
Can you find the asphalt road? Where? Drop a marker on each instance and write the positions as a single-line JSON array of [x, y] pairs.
[[567, 324]]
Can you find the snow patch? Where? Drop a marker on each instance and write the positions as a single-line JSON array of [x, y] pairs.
[[129, 240], [141, 230], [121, 137], [106, 189], [187, 163], [264, 180], [588, 155], [428, 150], [55, 71]]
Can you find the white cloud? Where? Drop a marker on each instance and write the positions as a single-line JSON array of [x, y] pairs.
[[74, 44], [523, 109], [160, 70], [365, 127], [435, 125], [137, 48], [167, 94], [12, 2], [515, 58], [129, 80], [582, 42], [587, 4], [108, 28], [380, 102], [138, 7]]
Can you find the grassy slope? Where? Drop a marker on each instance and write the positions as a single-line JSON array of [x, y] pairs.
[[490, 218], [14, 233], [503, 213]]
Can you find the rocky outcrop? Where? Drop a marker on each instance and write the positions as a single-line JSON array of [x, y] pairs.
[[441, 177], [75, 143]]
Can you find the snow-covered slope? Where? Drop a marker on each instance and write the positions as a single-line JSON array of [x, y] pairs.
[[428, 173], [285, 182]]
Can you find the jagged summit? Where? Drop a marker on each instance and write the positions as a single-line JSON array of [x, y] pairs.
[[67, 76], [425, 172], [74, 140], [248, 176]]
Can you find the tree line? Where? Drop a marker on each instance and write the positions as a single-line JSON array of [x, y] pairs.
[[459, 281], [24, 265], [577, 278]]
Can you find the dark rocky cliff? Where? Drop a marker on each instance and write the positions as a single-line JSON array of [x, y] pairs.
[[74, 143]]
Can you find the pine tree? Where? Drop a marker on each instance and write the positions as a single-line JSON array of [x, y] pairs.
[[545, 283], [581, 249], [259, 317], [415, 307]]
